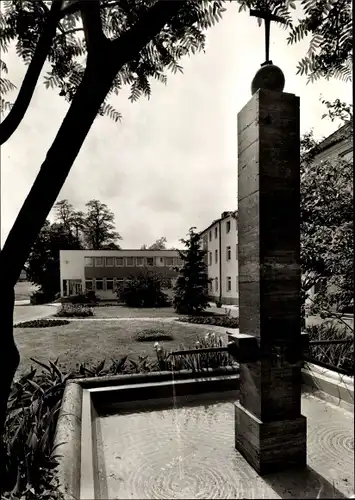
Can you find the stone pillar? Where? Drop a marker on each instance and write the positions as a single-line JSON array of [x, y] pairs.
[[270, 431]]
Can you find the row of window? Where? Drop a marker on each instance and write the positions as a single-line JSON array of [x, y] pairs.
[[228, 255], [107, 284], [228, 230], [215, 282], [130, 261]]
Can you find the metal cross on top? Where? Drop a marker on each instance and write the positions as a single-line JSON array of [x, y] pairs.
[[268, 17]]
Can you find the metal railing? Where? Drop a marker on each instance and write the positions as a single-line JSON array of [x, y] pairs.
[[308, 359]]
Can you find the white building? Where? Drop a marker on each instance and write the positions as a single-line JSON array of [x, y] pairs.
[[220, 240], [103, 270]]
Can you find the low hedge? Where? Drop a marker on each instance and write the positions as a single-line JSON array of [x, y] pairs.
[[216, 320], [74, 311], [88, 298]]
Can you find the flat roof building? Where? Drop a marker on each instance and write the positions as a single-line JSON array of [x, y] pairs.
[[103, 270]]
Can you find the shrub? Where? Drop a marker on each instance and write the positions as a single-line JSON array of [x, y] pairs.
[[42, 323], [217, 320], [74, 311], [150, 334], [349, 309], [338, 355], [39, 298], [88, 297], [218, 303], [143, 290]]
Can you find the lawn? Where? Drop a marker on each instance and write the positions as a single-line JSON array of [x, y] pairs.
[[115, 311], [91, 341], [133, 312]]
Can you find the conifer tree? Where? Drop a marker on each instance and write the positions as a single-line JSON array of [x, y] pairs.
[[191, 288]]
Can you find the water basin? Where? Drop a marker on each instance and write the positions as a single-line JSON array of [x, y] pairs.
[[183, 447]]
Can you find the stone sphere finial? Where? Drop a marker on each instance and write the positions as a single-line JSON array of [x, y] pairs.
[[268, 77]]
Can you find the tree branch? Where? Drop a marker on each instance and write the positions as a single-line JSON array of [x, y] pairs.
[[18, 111], [91, 17], [144, 30]]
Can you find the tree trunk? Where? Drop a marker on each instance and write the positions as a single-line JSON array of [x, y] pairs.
[[102, 67], [44, 192], [9, 361]]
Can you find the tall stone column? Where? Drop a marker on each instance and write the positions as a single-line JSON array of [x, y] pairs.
[[270, 431]]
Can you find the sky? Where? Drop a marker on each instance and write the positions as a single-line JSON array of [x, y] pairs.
[[172, 161]]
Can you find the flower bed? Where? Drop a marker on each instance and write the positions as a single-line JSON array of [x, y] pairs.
[[224, 320], [42, 323]]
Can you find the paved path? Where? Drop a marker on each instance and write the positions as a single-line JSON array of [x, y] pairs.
[[30, 313]]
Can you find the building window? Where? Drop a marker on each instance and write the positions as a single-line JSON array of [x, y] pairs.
[[99, 285], [140, 261], [236, 283], [229, 253], [216, 284], [209, 258], [109, 261], [99, 261], [229, 283], [216, 256], [119, 261], [205, 242], [228, 226], [210, 286], [210, 236], [88, 285], [236, 251], [216, 232], [89, 261], [109, 284], [130, 261], [150, 261], [169, 261]]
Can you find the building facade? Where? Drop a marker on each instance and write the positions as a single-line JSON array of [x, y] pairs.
[[220, 241], [103, 270], [336, 145]]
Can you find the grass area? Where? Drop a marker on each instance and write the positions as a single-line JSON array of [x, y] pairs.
[[133, 312], [115, 311], [91, 341]]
